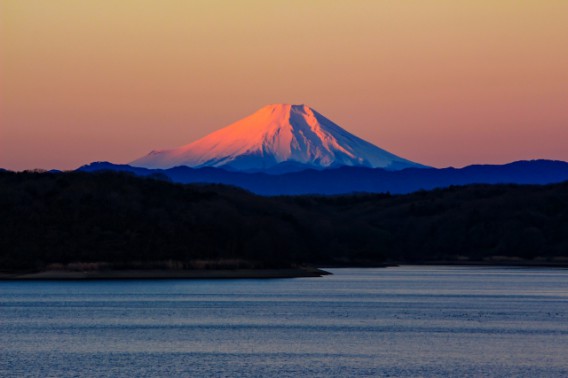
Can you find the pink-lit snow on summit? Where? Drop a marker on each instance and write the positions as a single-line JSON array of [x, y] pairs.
[[276, 135]]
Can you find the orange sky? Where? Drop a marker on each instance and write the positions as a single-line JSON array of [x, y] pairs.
[[438, 82]]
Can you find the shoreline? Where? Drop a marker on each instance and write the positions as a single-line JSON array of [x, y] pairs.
[[163, 274], [481, 263], [496, 264], [215, 274]]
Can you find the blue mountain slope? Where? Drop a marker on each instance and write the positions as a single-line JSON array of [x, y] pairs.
[[358, 179]]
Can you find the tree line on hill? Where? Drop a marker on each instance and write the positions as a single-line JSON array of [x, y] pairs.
[[116, 219]]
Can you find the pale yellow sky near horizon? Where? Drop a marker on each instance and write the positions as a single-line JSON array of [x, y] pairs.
[[443, 83]]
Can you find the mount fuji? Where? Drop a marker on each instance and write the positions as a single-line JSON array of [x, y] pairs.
[[278, 137]]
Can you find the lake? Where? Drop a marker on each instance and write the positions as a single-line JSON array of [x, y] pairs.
[[396, 322]]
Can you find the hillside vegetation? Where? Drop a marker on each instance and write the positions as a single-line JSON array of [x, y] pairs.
[[120, 220]]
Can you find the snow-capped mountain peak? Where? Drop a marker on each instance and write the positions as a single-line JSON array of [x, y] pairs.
[[274, 135]]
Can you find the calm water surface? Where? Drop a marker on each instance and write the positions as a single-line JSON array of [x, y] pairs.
[[407, 321]]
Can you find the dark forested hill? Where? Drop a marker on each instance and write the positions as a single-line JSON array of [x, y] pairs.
[[118, 218]]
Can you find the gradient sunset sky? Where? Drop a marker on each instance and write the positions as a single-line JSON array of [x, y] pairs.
[[443, 83]]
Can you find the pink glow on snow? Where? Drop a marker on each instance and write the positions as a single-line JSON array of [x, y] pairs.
[[274, 134]]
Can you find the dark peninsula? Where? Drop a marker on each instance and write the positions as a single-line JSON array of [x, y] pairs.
[[117, 225]]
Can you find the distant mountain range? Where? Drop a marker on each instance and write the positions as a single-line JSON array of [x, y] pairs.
[[286, 149], [356, 179], [277, 138]]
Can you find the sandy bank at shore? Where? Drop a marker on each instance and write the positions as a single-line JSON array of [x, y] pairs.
[[165, 274]]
